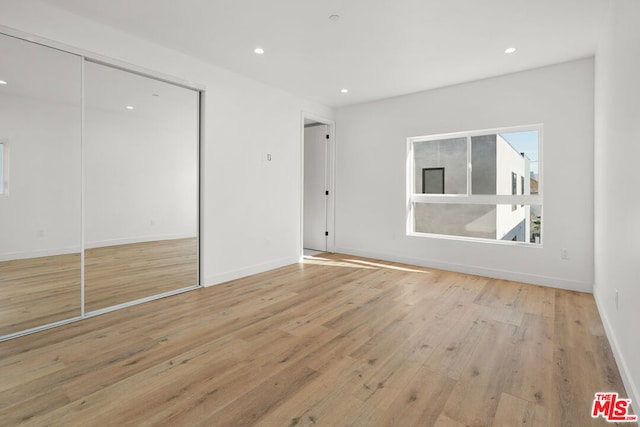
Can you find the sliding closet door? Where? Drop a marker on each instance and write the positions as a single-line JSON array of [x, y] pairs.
[[141, 187], [40, 193]]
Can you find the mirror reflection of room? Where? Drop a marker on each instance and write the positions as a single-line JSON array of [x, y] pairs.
[[98, 187], [40, 194], [141, 187]]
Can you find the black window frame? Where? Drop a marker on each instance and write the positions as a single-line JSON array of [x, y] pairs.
[[424, 181]]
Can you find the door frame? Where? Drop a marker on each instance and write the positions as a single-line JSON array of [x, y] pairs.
[[330, 205]]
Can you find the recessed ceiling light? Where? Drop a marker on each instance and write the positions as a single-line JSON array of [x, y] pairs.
[[344, 90], [258, 51], [129, 107], [334, 17], [510, 50], [2, 82]]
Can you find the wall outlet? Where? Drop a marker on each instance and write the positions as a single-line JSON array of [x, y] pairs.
[[564, 253], [616, 299]]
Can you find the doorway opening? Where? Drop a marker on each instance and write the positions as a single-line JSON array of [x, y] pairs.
[[317, 191]]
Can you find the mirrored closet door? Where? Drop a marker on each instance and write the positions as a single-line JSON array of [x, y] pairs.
[[40, 190], [141, 187], [99, 187]]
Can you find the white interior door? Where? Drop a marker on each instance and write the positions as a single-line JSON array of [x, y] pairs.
[[315, 187]]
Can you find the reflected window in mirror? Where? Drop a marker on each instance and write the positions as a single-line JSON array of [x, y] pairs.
[[4, 175], [41, 186]]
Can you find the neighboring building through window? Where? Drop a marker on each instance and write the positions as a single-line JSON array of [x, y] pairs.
[[478, 197]]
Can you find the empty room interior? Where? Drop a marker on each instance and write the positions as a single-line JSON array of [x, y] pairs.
[[286, 213]]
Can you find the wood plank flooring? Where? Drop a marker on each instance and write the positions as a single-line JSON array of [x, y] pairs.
[[122, 273], [39, 291], [334, 341]]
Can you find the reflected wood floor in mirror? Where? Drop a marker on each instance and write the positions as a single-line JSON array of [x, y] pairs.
[[336, 340], [122, 273], [38, 291]]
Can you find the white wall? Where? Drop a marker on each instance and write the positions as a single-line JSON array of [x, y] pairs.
[[40, 216], [617, 207], [140, 179], [251, 209], [140, 165], [371, 180]]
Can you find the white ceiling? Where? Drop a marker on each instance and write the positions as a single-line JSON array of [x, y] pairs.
[[378, 48]]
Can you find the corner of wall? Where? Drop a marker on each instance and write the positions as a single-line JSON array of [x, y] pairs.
[[621, 361], [218, 279]]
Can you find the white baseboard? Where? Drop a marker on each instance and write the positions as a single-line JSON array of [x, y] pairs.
[[38, 254], [629, 384], [139, 239], [216, 279], [89, 245], [553, 282]]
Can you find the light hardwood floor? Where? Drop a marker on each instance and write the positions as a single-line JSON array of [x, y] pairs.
[[123, 273], [337, 341], [39, 291]]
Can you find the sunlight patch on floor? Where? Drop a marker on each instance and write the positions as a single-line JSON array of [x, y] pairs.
[[355, 263], [391, 267], [334, 263]]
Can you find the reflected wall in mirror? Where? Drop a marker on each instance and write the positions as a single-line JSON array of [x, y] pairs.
[[40, 203], [141, 187]]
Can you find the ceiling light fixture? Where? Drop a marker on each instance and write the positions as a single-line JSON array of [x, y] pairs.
[[344, 90], [258, 51], [2, 82], [129, 107], [334, 17], [510, 50]]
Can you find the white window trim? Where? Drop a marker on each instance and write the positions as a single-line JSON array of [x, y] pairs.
[[468, 198]]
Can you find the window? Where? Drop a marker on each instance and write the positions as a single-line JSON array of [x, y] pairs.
[[433, 180], [4, 168], [491, 188]]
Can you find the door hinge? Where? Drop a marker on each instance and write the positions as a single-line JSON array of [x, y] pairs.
[[326, 233]]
